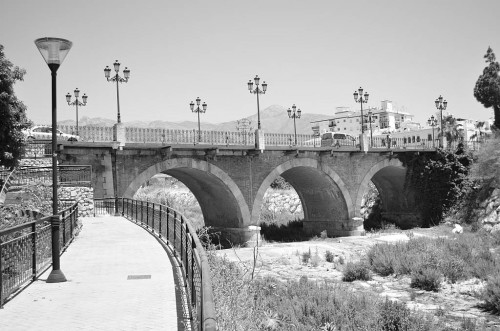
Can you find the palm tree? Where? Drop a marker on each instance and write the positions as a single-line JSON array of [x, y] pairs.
[[452, 130]]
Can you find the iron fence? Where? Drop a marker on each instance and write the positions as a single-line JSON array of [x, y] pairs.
[[33, 149], [26, 250], [68, 175], [173, 229]]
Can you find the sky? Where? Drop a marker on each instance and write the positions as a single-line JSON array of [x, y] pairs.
[[311, 53]]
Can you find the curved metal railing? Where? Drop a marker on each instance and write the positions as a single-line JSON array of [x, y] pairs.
[[173, 229], [6, 177], [26, 249]]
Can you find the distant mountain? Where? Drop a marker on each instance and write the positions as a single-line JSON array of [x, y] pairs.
[[274, 119]]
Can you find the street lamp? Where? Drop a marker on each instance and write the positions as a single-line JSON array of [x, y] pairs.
[[369, 116], [77, 103], [116, 78], [53, 51], [294, 115], [361, 98], [432, 122], [441, 105], [257, 91], [198, 110]]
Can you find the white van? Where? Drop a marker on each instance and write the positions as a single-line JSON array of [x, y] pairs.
[[337, 139]]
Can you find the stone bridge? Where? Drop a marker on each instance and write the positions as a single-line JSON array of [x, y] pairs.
[[229, 182]]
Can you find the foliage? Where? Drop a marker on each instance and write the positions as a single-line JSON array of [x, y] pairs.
[[329, 256], [12, 113], [487, 89], [438, 180], [304, 258], [491, 295], [356, 271], [426, 278], [427, 260], [280, 183], [292, 231], [450, 130]]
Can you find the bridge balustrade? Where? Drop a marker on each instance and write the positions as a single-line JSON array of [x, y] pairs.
[[173, 229], [26, 249]]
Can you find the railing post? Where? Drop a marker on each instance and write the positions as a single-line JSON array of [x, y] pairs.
[[168, 218], [123, 206], [142, 211], [1, 278], [116, 206], [63, 215], [33, 242], [193, 290], [175, 220], [159, 224], [153, 219], [147, 213], [180, 235]]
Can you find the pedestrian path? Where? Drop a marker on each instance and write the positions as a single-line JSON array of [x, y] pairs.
[[119, 278]]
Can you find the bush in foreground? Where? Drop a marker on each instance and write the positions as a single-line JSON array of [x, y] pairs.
[[356, 271]]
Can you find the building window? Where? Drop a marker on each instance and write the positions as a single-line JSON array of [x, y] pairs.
[[429, 137]]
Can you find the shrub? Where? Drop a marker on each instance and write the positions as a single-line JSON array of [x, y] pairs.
[[356, 271], [304, 258], [315, 260], [381, 258], [453, 269], [329, 256], [323, 234], [290, 232], [427, 278], [491, 295]]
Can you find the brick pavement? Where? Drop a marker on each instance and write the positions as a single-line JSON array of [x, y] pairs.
[[98, 295]]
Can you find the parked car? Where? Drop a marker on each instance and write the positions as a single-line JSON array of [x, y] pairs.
[[45, 133]]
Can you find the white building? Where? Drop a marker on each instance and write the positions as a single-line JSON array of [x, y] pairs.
[[383, 120]]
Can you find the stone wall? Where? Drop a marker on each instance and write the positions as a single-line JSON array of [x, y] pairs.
[[488, 213], [84, 196]]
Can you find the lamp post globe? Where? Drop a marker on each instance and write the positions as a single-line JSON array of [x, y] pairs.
[[54, 51]]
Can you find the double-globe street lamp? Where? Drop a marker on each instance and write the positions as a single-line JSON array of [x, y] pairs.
[[118, 79], [294, 113], [257, 91], [432, 122], [198, 110], [441, 105], [53, 51], [361, 98], [77, 103]]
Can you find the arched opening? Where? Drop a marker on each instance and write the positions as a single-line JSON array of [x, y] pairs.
[[396, 202], [325, 201], [220, 200]]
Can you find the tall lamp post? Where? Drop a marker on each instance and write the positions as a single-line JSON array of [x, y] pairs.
[[53, 51], [116, 78], [361, 98], [77, 103], [441, 105], [198, 110], [369, 117], [432, 122], [294, 113], [257, 91]]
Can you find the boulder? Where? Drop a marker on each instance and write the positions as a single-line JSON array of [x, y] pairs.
[[458, 229]]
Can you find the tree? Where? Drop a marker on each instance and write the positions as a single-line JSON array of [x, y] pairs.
[[451, 130], [487, 89], [12, 113]]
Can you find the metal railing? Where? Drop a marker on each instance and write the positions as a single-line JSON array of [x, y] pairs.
[[26, 250], [173, 229], [6, 177], [37, 148], [68, 175]]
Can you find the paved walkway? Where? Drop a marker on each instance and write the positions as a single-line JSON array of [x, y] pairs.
[[99, 294]]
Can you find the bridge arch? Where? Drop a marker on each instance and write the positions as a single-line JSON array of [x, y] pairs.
[[324, 196], [221, 201], [389, 176]]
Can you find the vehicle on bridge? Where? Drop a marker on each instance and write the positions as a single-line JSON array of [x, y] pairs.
[[40, 132], [337, 139]]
